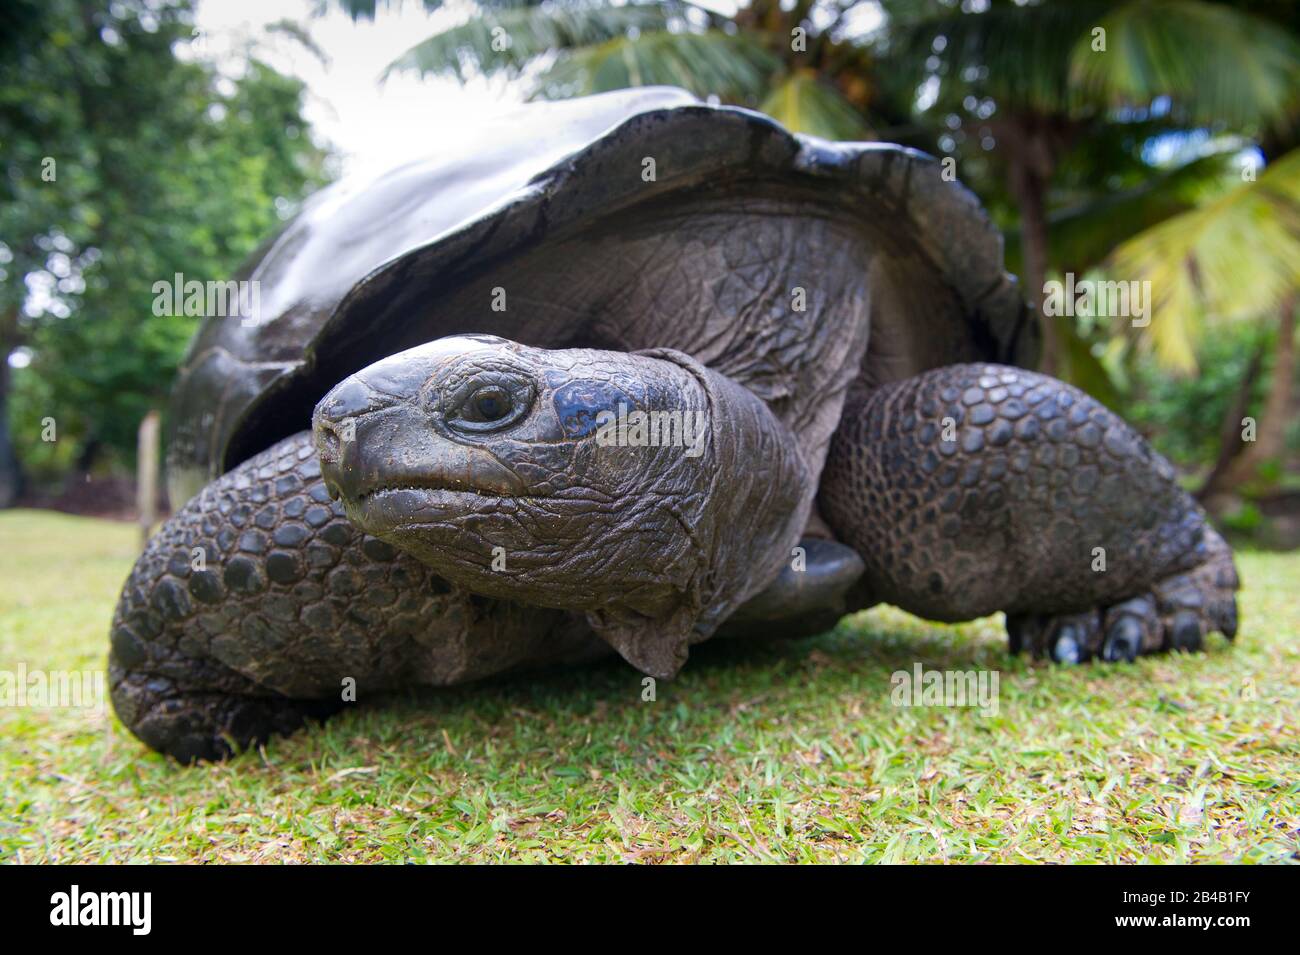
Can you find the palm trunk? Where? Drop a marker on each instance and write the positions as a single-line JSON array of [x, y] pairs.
[[1030, 193], [1270, 434]]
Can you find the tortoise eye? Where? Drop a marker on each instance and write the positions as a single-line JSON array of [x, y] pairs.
[[488, 404]]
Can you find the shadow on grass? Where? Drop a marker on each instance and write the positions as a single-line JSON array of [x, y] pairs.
[[585, 713]]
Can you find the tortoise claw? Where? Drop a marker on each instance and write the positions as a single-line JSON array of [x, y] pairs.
[[1123, 641], [1185, 633], [1068, 646]]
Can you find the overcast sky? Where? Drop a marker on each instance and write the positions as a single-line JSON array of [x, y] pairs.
[[372, 126]]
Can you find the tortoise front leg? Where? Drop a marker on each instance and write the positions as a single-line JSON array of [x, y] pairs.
[[258, 604], [976, 488]]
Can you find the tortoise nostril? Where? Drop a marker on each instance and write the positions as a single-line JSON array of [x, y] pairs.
[[333, 435], [332, 439], [328, 445]]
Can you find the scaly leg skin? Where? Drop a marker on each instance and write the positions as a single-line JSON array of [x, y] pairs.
[[976, 488], [250, 608]]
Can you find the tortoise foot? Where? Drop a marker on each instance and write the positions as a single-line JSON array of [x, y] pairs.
[[194, 726], [1175, 615]]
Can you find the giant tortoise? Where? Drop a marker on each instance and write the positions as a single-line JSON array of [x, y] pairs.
[[623, 374]]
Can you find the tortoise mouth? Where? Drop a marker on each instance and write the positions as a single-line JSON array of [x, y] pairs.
[[391, 507], [432, 486]]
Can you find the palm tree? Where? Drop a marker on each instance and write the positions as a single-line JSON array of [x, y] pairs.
[[1030, 83], [798, 64], [1234, 257]]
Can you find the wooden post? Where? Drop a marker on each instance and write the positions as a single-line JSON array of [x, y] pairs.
[[146, 475]]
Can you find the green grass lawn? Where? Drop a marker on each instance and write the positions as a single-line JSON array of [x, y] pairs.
[[773, 751]]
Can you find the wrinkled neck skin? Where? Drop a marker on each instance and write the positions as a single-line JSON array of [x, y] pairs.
[[643, 489]]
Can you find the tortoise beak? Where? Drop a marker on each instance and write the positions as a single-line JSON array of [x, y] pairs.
[[335, 426]]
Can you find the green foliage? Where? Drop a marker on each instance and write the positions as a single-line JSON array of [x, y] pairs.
[[729, 66], [803, 101], [507, 40], [1226, 66], [160, 166], [1019, 55], [1181, 414], [1245, 520], [1234, 256], [44, 462], [1066, 99], [564, 48], [1091, 216]]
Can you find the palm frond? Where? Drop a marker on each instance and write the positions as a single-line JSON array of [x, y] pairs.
[[1122, 148], [1083, 234], [1019, 55], [1215, 63], [804, 104], [734, 67], [296, 32], [508, 39], [1235, 257], [366, 9]]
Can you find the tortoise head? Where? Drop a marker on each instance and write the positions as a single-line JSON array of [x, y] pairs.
[[641, 489]]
